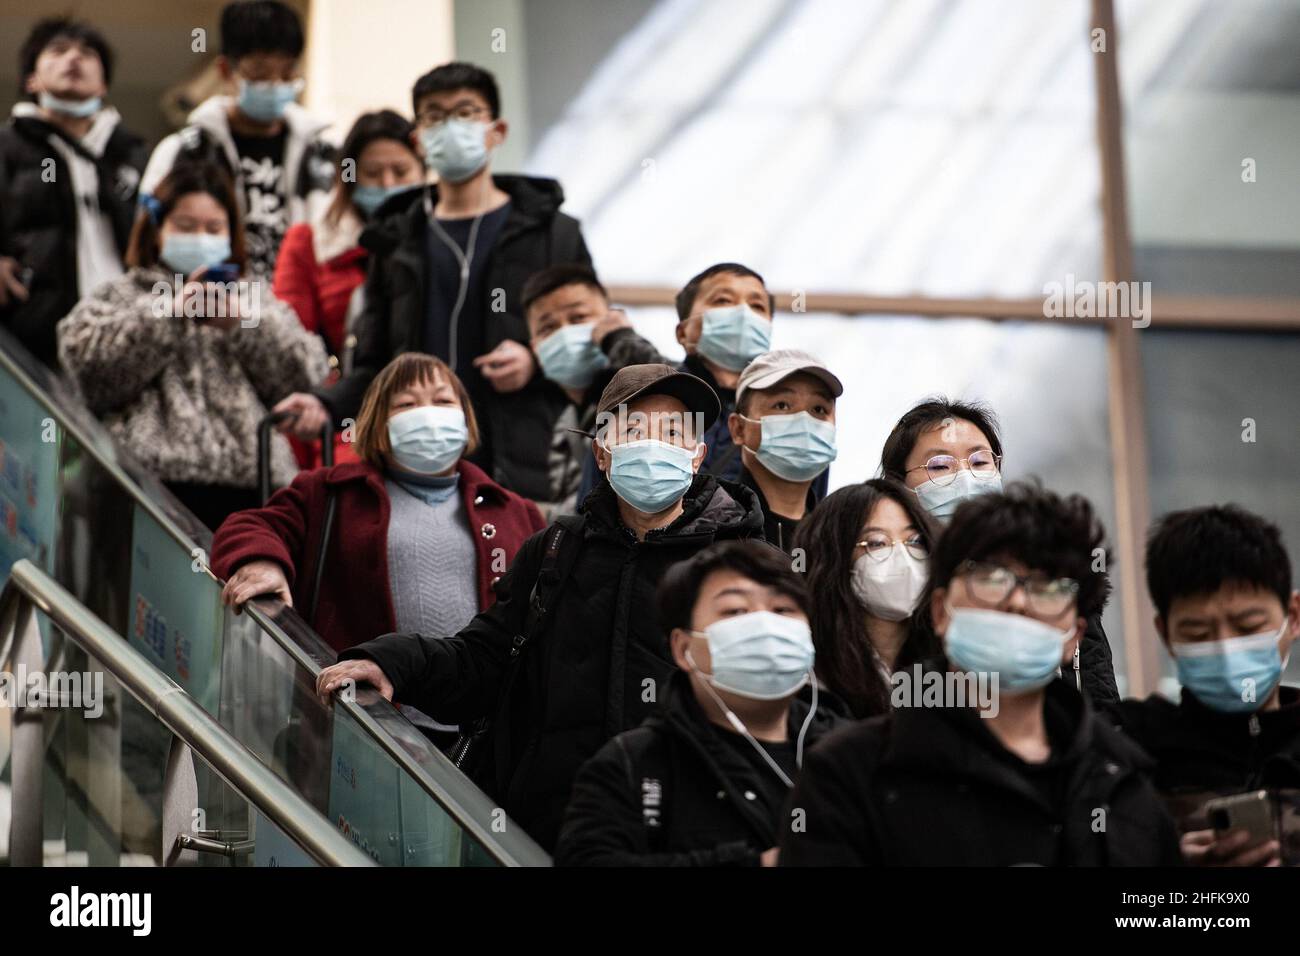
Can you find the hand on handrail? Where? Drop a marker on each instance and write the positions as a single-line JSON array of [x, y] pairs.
[[352, 672]]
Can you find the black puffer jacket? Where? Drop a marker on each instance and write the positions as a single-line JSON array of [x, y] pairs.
[[1197, 749], [701, 793], [930, 786], [38, 220], [583, 678], [516, 426]]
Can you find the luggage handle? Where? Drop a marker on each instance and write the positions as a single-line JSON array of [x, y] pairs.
[[264, 428]]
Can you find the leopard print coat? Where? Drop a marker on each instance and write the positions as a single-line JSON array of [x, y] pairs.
[[184, 398]]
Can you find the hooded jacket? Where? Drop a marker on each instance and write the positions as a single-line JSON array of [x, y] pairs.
[[932, 786], [185, 398], [38, 216], [672, 793], [582, 679], [516, 427], [308, 159]]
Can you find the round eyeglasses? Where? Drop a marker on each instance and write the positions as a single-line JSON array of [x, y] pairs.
[[879, 547], [942, 469]]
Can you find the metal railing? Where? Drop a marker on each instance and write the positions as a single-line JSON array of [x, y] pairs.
[[28, 587]]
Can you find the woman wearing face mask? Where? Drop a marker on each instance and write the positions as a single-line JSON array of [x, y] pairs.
[[322, 263], [181, 357], [419, 536], [949, 452], [867, 548]]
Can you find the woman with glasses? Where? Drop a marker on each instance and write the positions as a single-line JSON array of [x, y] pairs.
[[945, 452], [949, 452], [867, 549]]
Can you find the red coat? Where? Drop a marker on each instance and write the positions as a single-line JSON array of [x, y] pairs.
[[355, 604], [318, 291]]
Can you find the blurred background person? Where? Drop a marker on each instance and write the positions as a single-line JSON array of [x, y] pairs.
[[272, 148], [69, 170], [580, 342], [182, 377], [321, 266], [446, 278], [867, 549]]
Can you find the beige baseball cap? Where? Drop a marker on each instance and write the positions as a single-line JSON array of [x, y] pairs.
[[771, 367]]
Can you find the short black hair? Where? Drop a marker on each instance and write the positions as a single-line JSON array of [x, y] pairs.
[[260, 26], [757, 560], [925, 415], [557, 277], [1025, 522], [686, 297], [458, 76], [46, 32], [1198, 551]]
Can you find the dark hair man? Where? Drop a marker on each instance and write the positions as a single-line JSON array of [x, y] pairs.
[[68, 176], [991, 760]]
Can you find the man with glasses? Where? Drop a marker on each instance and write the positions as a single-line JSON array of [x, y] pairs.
[[784, 426], [573, 652], [948, 452], [272, 148], [447, 275], [1032, 777]]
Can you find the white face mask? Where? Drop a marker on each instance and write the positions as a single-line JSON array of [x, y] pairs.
[[889, 589]]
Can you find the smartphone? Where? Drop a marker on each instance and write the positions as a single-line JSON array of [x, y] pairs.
[[1252, 812], [225, 272]]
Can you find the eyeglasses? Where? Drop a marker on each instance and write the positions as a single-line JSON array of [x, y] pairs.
[[942, 469], [991, 584], [879, 547], [432, 116]]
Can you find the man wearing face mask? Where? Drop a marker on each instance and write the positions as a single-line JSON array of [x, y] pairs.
[[68, 176], [1220, 580], [1004, 763], [580, 342], [282, 169], [572, 653], [449, 265], [704, 781], [784, 425]]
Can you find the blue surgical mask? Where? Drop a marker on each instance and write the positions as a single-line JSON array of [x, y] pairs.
[[1235, 675], [651, 475], [570, 356], [266, 102], [370, 198], [942, 500], [733, 336], [78, 108], [429, 439], [760, 655], [1023, 652], [456, 148], [795, 447], [187, 251]]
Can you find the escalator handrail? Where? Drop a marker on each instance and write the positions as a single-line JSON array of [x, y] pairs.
[[455, 793], [183, 716]]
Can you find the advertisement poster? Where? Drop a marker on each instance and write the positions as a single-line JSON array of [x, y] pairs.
[[272, 848], [176, 614], [363, 793], [29, 487]]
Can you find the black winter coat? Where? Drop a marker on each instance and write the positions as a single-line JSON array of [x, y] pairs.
[[926, 787], [1197, 749], [516, 427], [38, 221], [691, 783], [582, 679]]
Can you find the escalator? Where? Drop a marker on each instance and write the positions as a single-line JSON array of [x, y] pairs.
[[148, 725]]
